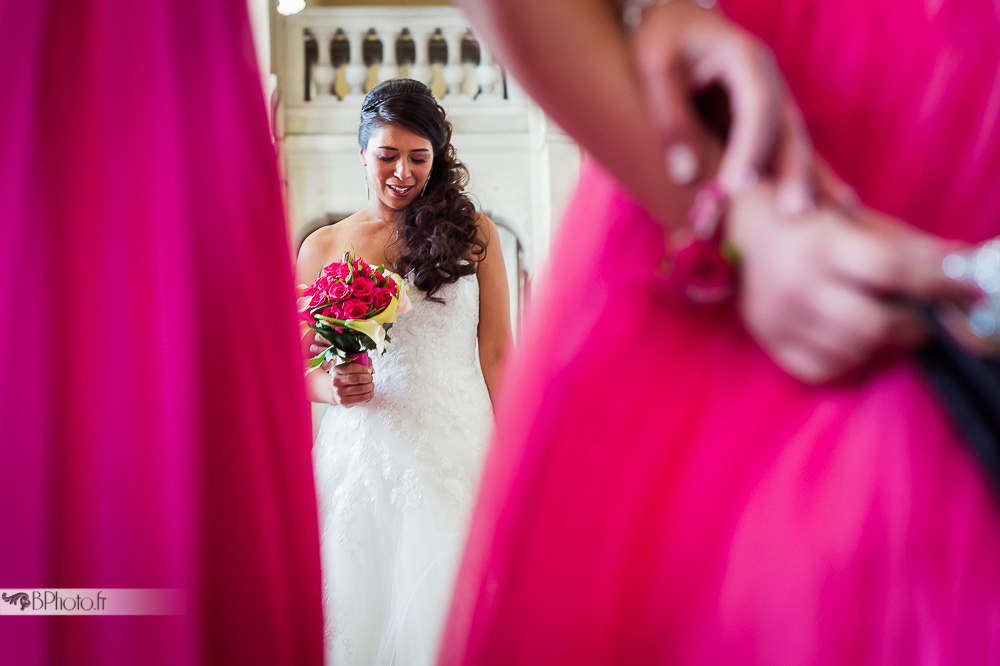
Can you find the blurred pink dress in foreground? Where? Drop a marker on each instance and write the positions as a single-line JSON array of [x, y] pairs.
[[716, 511], [153, 423]]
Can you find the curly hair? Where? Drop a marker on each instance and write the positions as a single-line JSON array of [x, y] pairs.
[[439, 240]]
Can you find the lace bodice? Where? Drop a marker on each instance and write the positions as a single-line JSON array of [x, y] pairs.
[[429, 394], [432, 356]]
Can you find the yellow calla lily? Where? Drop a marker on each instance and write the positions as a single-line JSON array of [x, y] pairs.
[[369, 327], [398, 305], [388, 315]]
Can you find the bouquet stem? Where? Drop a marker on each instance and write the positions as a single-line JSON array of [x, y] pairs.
[[361, 359]]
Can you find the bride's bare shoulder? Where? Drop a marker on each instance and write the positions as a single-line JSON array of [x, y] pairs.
[[322, 247], [329, 242]]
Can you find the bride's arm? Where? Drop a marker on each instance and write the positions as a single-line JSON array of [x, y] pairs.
[[494, 308]]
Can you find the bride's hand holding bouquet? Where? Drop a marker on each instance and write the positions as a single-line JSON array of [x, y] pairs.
[[351, 306]]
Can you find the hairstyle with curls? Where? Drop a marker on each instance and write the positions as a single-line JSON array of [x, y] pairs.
[[439, 240]]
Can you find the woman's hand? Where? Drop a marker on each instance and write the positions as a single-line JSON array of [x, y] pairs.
[[352, 384], [681, 48], [825, 292]]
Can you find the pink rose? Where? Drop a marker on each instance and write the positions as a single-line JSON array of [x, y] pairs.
[[382, 298], [362, 287], [333, 312], [319, 284], [338, 270], [702, 275], [355, 309], [318, 299], [362, 268], [389, 283], [339, 291]]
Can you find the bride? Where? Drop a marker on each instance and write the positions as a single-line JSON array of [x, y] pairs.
[[398, 454]]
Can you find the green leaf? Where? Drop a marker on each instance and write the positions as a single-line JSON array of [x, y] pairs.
[[319, 308]]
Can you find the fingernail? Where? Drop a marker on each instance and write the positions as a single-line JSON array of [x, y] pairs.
[[682, 164]]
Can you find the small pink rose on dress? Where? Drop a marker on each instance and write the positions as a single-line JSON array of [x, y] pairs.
[[702, 274], [701, 263], [352, 305]]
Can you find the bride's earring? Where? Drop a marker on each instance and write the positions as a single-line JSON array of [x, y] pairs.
[[364, 174], [426, 183]]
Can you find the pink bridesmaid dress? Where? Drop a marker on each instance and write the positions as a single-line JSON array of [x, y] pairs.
[[153, 424], [660, 492]]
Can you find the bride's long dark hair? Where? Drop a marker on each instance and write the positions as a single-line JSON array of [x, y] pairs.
[[438, 237]]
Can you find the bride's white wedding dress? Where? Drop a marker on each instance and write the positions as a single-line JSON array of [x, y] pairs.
[[396, 478]]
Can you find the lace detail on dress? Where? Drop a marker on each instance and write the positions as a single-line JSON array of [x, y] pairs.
[[407, 461]]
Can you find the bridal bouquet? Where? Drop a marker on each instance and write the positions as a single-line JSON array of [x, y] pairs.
[[352, 305]]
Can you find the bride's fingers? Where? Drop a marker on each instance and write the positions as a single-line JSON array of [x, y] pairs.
[[352, 394], [355, 389], [345, 375]]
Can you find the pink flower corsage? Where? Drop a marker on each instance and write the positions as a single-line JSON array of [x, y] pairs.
[[701, 265]]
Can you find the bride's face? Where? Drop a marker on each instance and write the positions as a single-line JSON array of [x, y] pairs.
[[398, 163]]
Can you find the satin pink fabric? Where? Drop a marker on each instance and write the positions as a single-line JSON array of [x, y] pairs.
[[153, 424], [659, 492]]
